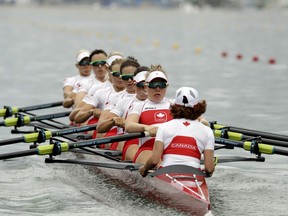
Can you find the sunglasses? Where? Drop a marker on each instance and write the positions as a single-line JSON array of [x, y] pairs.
[[84, 63], [140, 84], [115, 73], [154, 85], [126, 77], [98, 63]]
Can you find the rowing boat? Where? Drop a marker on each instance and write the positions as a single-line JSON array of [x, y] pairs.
[[180, 187]]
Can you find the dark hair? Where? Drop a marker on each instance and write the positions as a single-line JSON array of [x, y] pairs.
[[129, 62], [140, 69], [95, 52], [178, 111]]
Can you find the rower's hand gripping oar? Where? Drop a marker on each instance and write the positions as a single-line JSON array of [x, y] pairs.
[[23, 120], [42, 136], [58, 147]]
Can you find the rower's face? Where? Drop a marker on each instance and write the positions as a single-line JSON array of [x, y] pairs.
[[141, 91], [100, 66], [84, 67], [127, 77], [116, 80], [156, 92]]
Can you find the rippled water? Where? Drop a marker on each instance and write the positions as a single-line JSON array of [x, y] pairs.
[[38, 46]]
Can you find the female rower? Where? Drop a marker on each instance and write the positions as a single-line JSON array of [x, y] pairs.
[[98, 61], [182, 140], [97, 102], [85, 93], [126, 72], [70, 84], [118, 114], [147, 115]]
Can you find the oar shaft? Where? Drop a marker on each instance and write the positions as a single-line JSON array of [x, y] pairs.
[[40, 106], [63, 147], [281, 152], [241, 137], [27, 119], [12, 141], [50, 116], [9, 111], [74, 130], [18, 154], [106, 140], [34, 137], [253, 133], [249, 146]]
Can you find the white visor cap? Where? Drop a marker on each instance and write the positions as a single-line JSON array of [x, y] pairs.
[[186, 96], [81, 55], [156, 74]]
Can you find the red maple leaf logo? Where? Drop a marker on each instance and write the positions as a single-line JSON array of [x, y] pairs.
[[186, 123]]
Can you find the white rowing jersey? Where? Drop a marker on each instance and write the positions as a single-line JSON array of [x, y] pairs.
[[86, 85], [116, 100], [122, 108], [76, 81], [151, 113], [122, 104], [184, 141], [95, 88], [100, 99]]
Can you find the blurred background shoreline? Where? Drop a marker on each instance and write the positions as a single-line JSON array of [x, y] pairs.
[[188, 5]]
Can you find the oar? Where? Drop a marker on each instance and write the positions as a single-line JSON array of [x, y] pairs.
[[9, 111], [241, 137], [22, 120], [253, 147], [229, 159], [111, 165], [42, 136], [249, 132], [58, 147]]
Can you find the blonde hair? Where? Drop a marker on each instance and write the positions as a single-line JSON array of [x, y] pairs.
[[155, 68], [116, 61], [115, 53]]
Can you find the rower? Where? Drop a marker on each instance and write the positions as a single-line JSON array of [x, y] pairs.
[[147, 115], [117, 115], [85, 93], [95, 104], [98, 60], [73, 83], [182, 140], [127, 70]]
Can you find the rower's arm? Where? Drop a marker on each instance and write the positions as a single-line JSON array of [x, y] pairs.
[[154, 160], [84, 114], [73, 113], [106, 123], [209, 161], [78, 98], [69, 100], [67, 90], [132, 125]]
